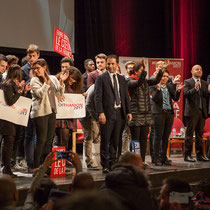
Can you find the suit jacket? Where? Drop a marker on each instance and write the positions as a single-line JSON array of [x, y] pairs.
[[208, 81], [192, 98], [85, 76], [157, 97], [105, 98], [92, 78]]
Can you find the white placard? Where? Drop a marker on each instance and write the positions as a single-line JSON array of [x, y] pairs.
[[18, 113], [95, 156], [72, 107]]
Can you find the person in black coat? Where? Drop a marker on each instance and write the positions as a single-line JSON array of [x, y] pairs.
[[138, 87], [13, 88], [113, 108], [163, 115], [196, 100]]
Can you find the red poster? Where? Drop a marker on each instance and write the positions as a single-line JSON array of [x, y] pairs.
[[58, 167], [176, 67], [61, 43]]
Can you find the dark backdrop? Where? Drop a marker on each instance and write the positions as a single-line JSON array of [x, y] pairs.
[[163, 28]]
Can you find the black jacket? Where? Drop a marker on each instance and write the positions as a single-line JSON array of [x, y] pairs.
[[129, 185], [192, 98], [157, 98], [140, 99], [104, 95], [11, 95]]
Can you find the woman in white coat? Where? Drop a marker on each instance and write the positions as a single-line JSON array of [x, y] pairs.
[[45, 89]]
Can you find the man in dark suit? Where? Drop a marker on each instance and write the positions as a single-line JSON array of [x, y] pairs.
[[113, 108], [196, 99]]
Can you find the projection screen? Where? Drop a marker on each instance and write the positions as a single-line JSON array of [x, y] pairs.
[[23, 22]]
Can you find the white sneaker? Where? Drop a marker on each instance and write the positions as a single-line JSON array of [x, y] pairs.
[[146, 165], [18, 167], [23, 163]]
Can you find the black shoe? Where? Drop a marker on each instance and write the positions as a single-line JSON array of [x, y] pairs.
[[189, 159], [152, 159], [202, 158], [8, 172], [106, 170], [30, 170], [157, 162], [166, 162]]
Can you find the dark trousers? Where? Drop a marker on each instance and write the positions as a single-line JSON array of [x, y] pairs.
[[162, 124], [151, 141], [18, 148], [140, 133], [45, 130], [194, 123], [29, 143], [110, 137], [6, 152]]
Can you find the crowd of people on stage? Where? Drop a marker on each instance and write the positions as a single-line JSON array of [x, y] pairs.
[[118, 108]]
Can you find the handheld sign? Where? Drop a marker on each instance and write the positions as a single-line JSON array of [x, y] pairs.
[[73, 106], [58, 167], [61, 43], [18, 113]]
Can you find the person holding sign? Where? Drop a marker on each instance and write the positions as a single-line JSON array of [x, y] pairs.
[[12, 87], [45, 89], [73, 84]]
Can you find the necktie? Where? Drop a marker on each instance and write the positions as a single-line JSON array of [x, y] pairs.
[[200, 102], [117, 97]]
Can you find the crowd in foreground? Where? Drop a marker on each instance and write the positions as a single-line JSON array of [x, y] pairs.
[[126, 187]]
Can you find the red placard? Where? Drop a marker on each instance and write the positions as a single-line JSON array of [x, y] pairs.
[[176, 67], [61, 43], [58, 167]]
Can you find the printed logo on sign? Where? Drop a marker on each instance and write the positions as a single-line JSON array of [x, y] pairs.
[[74, 106], [23, 111]]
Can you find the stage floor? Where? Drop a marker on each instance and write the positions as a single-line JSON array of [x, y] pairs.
[[178, 164]]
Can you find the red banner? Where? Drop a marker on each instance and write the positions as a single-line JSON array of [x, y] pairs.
[[58, 167], [61, 43], [176, 67]]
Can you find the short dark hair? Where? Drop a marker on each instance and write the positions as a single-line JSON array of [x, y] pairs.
[[3, 58], [113, 56], [67, 60], [176, 185], [87, 61], [11, 58], [42, 192], [137, 66], [83, 181], [24, 60], [101, 55], [7, 190], [128, 63], [33, 48], [165, 71]]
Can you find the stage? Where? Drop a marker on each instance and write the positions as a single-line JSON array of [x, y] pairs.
[[191, 172]]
